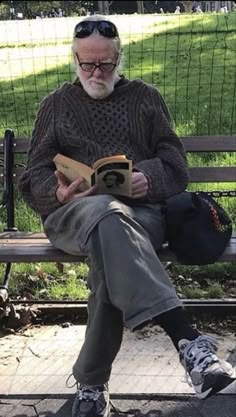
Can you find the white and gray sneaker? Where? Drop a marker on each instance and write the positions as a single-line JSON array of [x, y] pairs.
[[204, 370], [91, 402]]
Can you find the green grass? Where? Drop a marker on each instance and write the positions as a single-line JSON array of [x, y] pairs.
[[223, 272], [48, 281], [68, 281], [208, 281], [216, 291], [189, 58]]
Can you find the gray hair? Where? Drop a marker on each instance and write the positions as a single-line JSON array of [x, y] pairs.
[[95, 33], [116, 41]]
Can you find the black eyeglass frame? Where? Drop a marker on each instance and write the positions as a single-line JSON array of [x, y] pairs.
[[103, 66], [85, 28]]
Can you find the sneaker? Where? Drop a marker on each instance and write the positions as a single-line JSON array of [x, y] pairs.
[[91, 402], [204, 370]]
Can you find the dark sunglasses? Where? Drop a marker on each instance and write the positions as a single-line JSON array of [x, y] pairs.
[[105, 28]]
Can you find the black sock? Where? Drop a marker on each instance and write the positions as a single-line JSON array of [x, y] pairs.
[[176, 324]]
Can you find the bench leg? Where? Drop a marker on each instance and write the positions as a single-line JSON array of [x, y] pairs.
[[4, 286]]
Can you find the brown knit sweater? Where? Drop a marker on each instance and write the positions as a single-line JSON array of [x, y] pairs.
[[133, 120]]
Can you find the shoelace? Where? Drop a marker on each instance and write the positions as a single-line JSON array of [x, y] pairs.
[[205, 346], [93, 394], [89, 393], [85, 392], [83, 388], [71, 386]]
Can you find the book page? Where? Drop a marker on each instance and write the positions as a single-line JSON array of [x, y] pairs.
[[73, 169], [107, 159]]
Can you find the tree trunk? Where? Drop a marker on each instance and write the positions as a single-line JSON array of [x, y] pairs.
[[103, 7], [187, 6], [140, 7]]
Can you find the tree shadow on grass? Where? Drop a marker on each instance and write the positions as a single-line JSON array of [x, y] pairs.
[[192, 65]]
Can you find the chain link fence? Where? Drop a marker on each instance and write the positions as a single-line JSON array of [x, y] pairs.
[[191, 59]]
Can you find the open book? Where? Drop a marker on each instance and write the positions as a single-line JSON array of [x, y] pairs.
[[112, 174]]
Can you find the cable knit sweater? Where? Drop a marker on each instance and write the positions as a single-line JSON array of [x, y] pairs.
[[133, 120]]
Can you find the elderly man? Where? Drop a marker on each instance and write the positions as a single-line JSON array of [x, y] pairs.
[[102, 114]]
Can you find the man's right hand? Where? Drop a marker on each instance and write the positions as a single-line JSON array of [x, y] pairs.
[[71, 191]]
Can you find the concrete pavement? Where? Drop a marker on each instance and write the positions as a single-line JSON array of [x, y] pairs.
[[147, 378], [179, 406]]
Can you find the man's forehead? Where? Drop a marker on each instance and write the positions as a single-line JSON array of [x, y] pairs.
[[95, 46]]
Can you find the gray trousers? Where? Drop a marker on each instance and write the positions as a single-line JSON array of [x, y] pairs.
[[128, 283]]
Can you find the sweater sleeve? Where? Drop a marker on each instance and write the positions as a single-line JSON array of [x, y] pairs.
[[38, 183], [166, 169]]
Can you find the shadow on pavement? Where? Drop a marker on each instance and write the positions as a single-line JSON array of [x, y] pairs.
[[176, 406]]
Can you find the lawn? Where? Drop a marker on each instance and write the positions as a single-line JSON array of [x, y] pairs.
[[191, 59]]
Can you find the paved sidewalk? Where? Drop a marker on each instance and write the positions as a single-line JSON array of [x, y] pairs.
[[218, 406], [147, 378]]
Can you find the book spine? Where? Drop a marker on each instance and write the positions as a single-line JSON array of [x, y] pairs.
[[93, 179]]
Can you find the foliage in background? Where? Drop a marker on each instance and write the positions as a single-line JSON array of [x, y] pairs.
[[33, 9]]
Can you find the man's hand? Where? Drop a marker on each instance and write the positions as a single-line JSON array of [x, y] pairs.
[[70, 191], [139, 185]]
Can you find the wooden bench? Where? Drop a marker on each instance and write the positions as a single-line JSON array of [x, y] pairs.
[[17, 246]]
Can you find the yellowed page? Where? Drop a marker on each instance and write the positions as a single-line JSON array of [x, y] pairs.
[[73, 169]]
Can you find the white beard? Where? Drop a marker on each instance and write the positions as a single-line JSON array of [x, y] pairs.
[[99, 89]]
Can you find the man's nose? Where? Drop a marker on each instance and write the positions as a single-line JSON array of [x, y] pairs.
[[97, 72]]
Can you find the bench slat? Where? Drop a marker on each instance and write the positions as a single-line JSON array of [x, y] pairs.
[[21, 145], [39, 253], [197, 174], [35, 247], [212, 174], [39, 236], [212, 143], [46, 253]]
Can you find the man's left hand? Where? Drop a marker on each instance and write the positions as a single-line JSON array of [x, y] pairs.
[[139, 185]]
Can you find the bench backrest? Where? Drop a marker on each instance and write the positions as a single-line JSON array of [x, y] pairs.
[[193, 144], [10, 170]]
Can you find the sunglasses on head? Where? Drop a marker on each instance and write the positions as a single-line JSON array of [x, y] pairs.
[[104, 27]]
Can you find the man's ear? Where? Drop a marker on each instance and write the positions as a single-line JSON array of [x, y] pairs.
[[74, 57], [120, 60], [73, 51]]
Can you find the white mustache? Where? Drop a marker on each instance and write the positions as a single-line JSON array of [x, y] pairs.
[[97, 81]]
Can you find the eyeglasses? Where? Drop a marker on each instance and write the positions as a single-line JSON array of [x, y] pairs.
[[105, 28], [92, 66]]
